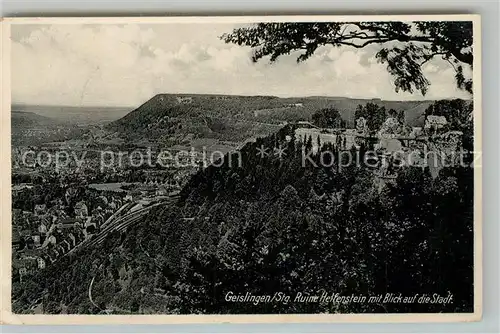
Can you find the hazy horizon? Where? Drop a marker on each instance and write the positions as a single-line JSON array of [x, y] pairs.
[[129, 64], [23, 104]]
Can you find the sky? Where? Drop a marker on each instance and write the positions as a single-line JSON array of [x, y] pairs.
[[125, 65]]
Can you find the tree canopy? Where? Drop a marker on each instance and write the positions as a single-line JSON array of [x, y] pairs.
[[459, 114], [328, 118], [373, 114], [406, 46]]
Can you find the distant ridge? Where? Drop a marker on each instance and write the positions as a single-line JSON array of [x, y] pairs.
[[26, 119], [74, 115], [218, 116], [222, 116]]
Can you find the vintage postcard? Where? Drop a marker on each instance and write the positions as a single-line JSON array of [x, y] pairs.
[[241, 169]]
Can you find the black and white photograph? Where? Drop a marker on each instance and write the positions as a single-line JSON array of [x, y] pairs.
[[252, 166]]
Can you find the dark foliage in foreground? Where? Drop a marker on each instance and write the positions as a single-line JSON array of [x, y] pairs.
[[273, 225]]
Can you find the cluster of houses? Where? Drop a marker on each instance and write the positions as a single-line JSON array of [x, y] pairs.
[[34, 250], [41, 236], [44, 235]]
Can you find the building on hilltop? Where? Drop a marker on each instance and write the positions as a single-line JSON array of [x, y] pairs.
[[295, 105], [184, 99], [433, 122]]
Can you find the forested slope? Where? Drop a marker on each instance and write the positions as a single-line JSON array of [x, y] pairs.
[[272, 225]]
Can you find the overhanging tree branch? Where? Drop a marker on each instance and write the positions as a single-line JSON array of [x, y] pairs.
[[421, 42]]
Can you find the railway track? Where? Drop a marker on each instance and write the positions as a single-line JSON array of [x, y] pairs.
[[120, 222]]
